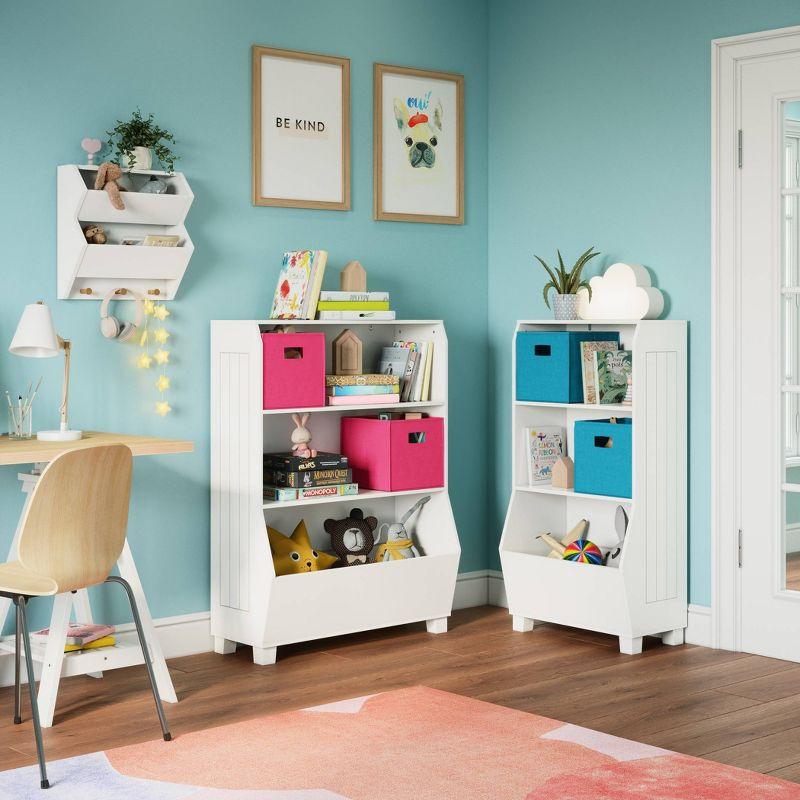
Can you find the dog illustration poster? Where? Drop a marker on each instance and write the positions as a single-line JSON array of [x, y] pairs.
[[301, 129], [418, 152]]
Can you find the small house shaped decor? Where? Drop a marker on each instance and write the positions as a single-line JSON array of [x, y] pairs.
[[346, 356]]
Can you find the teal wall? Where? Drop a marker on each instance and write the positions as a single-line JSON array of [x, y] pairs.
[[599, 132], [69, 70]]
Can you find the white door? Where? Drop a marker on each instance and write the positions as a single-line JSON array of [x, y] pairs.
[[768, 426]]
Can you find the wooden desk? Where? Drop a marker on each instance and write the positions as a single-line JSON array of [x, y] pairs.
[[91, 662]]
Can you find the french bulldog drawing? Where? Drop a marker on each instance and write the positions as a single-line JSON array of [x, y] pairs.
[[420, 131]]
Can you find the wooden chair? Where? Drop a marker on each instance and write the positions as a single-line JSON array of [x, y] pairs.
[[71, 538]]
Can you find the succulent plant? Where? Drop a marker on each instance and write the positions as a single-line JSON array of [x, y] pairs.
[[567, 280]]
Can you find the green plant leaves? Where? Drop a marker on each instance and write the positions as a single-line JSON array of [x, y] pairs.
[[141, 132], [567, 281]]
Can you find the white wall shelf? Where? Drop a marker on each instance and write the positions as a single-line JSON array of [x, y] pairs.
[[373, 407], [89, 271], [647, 594], [249, 603]]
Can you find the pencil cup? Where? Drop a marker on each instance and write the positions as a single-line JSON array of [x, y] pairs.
[[19, 422]]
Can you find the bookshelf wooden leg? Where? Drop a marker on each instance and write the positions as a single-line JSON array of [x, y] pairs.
[[83, 614], [673, 637], [54, 658], [522, 624], [128, 571], [438, 625], [264, 656], [630, 645], [224, 646]]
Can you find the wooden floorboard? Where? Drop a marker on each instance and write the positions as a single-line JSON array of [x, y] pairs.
[[730, 707]]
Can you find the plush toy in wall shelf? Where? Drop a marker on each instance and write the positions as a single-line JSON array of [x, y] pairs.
[[294, 554], [95, 234], [107, 176], [353, 537]]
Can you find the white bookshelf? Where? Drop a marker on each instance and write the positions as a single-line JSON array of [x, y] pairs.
[[647, 594], [89, 271], [249, 603]]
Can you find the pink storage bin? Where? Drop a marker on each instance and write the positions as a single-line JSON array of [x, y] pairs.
[[394, 455], [294, 369]]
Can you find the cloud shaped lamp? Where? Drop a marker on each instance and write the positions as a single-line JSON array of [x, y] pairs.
[[624, 291]]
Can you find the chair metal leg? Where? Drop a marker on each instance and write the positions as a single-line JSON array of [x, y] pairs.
[[37, 728], [143, 642], [17, 668]]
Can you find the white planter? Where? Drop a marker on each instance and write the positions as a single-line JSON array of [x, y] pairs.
[[143, 157], [565, 306]]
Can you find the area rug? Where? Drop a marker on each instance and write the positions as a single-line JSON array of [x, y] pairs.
[[415, 743]]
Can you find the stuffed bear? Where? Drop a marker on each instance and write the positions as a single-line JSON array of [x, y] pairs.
[[94, 234], [352, 538], [108, 174]]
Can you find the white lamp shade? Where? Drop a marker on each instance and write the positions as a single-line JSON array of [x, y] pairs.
[[35, 336]]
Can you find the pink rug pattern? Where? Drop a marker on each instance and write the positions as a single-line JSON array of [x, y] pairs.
[[417, 743]]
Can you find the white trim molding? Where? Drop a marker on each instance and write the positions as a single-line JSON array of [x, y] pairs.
[[727, 55], [698, 629]]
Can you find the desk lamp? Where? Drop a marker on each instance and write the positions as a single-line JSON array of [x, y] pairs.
[[36, 337]]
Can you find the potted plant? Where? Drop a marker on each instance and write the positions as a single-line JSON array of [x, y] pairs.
[[134, 142], [567, 283]]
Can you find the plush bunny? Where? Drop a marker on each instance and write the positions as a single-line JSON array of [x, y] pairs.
[[301, 436], [108, 174]]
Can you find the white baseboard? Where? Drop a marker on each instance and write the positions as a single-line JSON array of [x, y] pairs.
[[189, 634], [698, 631]]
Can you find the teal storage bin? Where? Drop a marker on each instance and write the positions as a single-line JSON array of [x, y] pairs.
[[603, 457], [549, 364]]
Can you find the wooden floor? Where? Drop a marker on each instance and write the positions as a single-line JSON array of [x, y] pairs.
[[730, 707]]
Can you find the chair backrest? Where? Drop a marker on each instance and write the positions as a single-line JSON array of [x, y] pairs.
[[75, 525]]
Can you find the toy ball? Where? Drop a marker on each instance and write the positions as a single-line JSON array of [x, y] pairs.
[[583, 551]]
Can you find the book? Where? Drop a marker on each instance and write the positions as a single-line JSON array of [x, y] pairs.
[[153, 240], [409, 376], [364, 400], [77, 633], [343, 305], [302, 480], [367, 379], [588, 349], [299, 283], [354, 316], [105, 641], [292, 463], [276, 493], [613, 370], [358, 390], [393, 361], [354, 297], [415, 395], [426, 378], [544, 445]]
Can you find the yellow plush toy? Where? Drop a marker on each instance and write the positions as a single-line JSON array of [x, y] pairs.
[[294, 554]]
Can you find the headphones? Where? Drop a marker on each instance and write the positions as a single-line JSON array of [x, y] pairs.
[[111, 327]]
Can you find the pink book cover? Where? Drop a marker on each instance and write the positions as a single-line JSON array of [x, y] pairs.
[[78, 633], [363, 399]]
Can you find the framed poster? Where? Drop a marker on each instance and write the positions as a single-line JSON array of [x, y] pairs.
[[418, 148], [301, 129]]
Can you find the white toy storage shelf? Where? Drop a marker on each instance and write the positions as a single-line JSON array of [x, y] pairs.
[[89, 271], [249, 604], [646, 595]]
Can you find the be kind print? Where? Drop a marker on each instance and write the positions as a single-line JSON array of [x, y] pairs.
[[302, 127]]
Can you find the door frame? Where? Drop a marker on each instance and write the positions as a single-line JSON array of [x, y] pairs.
[[727, 56]]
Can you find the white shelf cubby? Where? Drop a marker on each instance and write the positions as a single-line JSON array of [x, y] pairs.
[[647, 593], [89, 271], [249, 603]]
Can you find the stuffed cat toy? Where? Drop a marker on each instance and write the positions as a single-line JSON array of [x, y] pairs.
[[294, 554]]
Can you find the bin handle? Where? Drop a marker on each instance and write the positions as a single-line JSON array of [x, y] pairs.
[[603, 441], [541, 349]]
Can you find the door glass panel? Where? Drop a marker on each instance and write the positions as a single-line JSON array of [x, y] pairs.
[[790, 361]]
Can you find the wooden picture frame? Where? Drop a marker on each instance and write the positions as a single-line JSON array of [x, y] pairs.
[[451, 164], [300, 173]]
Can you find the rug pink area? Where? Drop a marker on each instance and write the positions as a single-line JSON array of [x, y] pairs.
[[424, 744]]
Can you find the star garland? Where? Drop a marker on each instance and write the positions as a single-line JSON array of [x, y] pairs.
[[157, 313]]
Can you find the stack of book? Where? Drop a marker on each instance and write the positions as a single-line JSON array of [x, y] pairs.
[[80, 637], [607, 373], [354, 305], [362, 390], [413, 361], [290, 477]]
